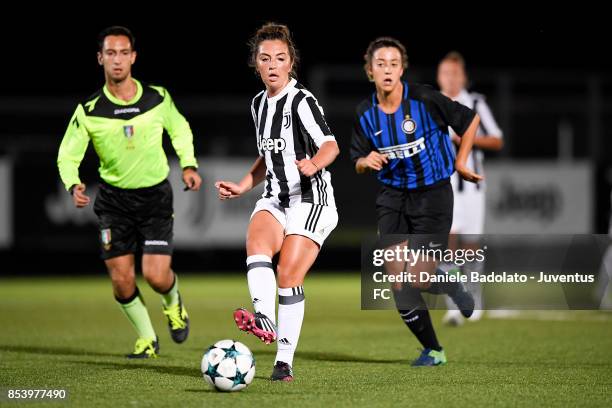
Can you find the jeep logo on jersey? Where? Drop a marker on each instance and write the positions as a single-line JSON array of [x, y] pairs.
[[408, 125], [128, 131], [286, 120], [273, 145]]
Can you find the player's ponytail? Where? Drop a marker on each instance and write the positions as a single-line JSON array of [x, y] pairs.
[[273, 31]]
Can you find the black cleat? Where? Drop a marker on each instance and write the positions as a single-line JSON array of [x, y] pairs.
[[282, 372], [178, 321]]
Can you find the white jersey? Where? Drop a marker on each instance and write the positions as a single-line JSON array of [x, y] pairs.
[[469, 203], [291, 126], [488, 127]]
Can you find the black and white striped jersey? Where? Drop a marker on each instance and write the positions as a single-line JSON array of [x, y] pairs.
[[488, 126], [291, 126]]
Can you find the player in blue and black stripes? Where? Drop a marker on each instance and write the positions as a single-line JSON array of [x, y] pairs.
[[401, 134]]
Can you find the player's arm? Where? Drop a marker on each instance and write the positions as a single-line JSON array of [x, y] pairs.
[[484, 142], [71, 153], [465, 147], [488, 142], [182, 140], [464, 121], [312, 118], [324, 157], [362, 152], [493, 139], [256, 175], [373, 161]]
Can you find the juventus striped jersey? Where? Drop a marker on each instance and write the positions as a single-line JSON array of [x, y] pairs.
[[290, 126], [488, 127]]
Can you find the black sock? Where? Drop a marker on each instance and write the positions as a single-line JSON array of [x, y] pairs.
[[414, 313], [419, 323], [448, 288]]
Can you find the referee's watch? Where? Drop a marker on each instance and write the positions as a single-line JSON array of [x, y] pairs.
[[190, 167], [71, 189]]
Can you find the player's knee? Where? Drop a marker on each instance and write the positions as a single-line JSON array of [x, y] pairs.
[[254, 246], [288, 277], [156, 275], [124, 285], [121, 274]]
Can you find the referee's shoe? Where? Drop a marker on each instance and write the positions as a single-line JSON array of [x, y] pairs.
[[145, 348], [178, 321]]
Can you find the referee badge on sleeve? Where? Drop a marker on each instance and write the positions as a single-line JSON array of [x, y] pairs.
[[408, 125]]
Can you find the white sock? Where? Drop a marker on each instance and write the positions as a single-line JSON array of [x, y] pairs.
[[450, 305], [262, 285], [290, 316], [475, 288]]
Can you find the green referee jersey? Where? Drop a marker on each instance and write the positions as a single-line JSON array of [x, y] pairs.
[[127, 136]]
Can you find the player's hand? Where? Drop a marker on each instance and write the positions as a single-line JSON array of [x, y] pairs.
[[307, 167], [467, 174], [375, 161], [79, 197], [228, 190], [192, 179]]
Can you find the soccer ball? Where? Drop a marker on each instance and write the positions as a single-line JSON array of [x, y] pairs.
[[228, 365]]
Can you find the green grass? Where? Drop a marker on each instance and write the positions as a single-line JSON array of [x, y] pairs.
[[69, 334]]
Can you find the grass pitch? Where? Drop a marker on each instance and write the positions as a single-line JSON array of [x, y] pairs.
[[68, 333]]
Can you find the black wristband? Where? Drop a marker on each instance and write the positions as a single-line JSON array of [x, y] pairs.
[[71, 189], [190, 167]]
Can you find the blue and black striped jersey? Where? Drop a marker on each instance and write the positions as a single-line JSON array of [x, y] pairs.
[[414, 138]]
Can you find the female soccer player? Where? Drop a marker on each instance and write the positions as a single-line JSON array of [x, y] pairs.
[[401, 133], [469, 204], [297, 210]]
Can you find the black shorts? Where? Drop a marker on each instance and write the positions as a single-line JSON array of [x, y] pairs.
[[130, 220], [427, 212]]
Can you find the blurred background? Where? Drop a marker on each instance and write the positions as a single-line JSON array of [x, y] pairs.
[[550, 89]]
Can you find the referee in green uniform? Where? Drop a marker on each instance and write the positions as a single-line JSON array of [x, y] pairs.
[[125, 121]]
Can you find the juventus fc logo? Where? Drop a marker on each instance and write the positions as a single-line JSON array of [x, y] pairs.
[[286, 120]]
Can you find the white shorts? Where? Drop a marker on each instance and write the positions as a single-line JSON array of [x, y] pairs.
[[468, 208], [313, 221]]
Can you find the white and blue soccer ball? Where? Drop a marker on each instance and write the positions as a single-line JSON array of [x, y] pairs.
[[228, 365]]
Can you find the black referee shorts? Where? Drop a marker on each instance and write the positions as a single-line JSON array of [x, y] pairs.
[[427, 213], [130, 220]]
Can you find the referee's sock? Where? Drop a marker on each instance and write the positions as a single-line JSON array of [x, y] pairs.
[[413, 311], [262, 285], [136, 312], [171, 296]]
